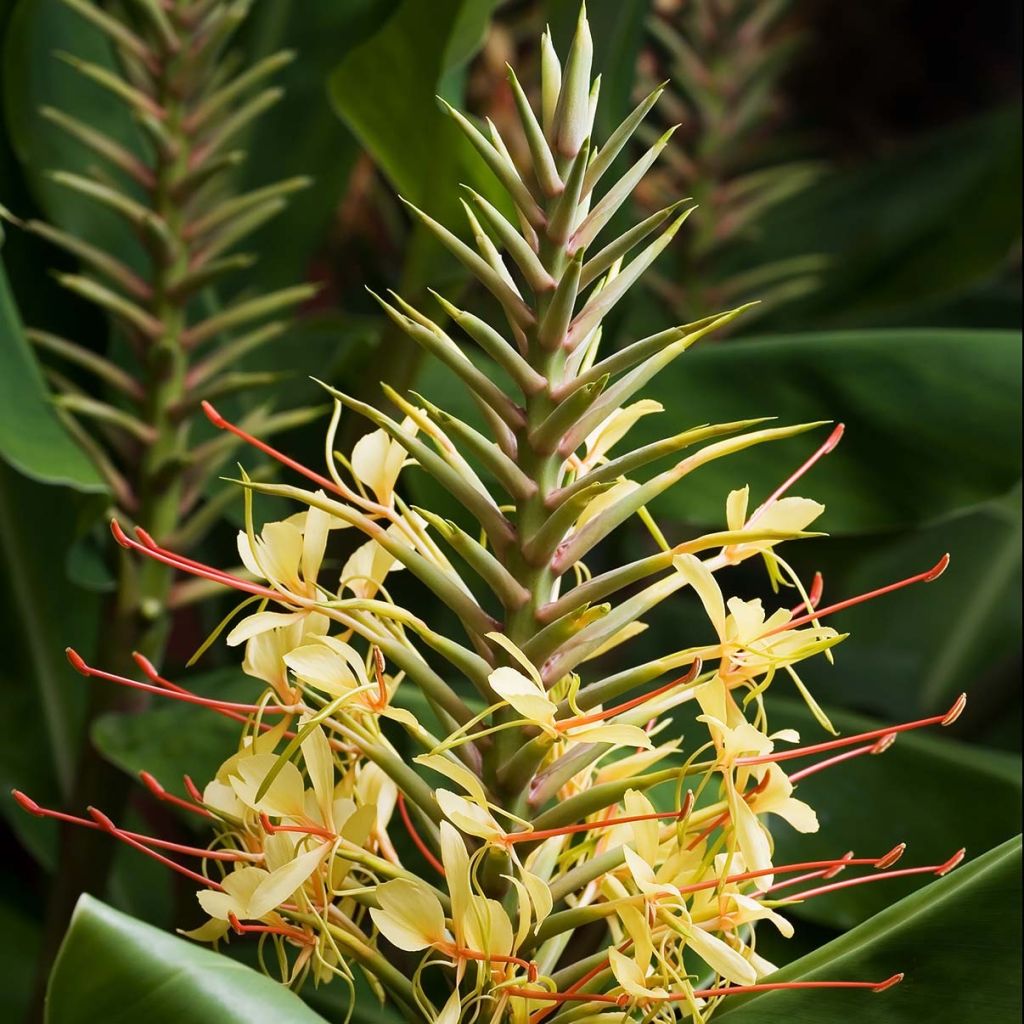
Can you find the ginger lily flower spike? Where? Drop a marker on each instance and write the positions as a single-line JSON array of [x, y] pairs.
[[540, 800]]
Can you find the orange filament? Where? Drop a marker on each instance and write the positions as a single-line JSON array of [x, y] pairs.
[[813, 595], [830, 442], [307, 830], [922, 577], [219, 421], [177, 693], [623, 1000], [428, 855], [934, 869], [512, 838], [847, 741], [879, 747], [267, 929], [138, 840], [597, 716]]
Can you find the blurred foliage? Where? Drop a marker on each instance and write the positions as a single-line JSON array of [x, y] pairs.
[[904, 326]]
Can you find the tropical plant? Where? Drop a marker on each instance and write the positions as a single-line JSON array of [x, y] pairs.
[[571, 862]]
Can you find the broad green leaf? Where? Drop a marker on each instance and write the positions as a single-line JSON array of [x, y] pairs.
[[384, 91], [915, 792], [32, 438], [957, 940], [931, 421], [907, 231], [43, 613], [119, 970]]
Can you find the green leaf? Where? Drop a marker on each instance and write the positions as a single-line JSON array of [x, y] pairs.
[[119, 970], [957, 940], [384, 91], [905, 231], [915, 792], [32, 438], [931, 421]]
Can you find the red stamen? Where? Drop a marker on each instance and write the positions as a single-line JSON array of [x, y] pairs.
[[834, 866], [597, 716], [846, 741], [922, 577], [776, 986], [472, 954], [872, 748], [267, 929], [307, 830], [220, 422], [623, 1000], [194, 568], [566, 997], [830, 442], [175, 693], [546, 833], [813, 595], [934, 869], [839, 867], [428, 855], [192, 789], [154, 786]]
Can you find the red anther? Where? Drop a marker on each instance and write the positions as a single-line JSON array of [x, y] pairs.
[[417, 839], [307, 830], [212, 415], [27, 803], [922, 577], [847, 741], [77, 661], [813, 595], [119, 535], [953, 862], [598, 716], [841, 865], [223, 424], [830, 442], [883, 744], [192, 789], [688, 802], [155, 787], [891, 857], [173, 691], [889, 982], [956, 710]]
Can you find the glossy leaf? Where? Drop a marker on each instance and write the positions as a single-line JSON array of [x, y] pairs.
[[930, 420], [32, 438], [956, 940], [119, 970]]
